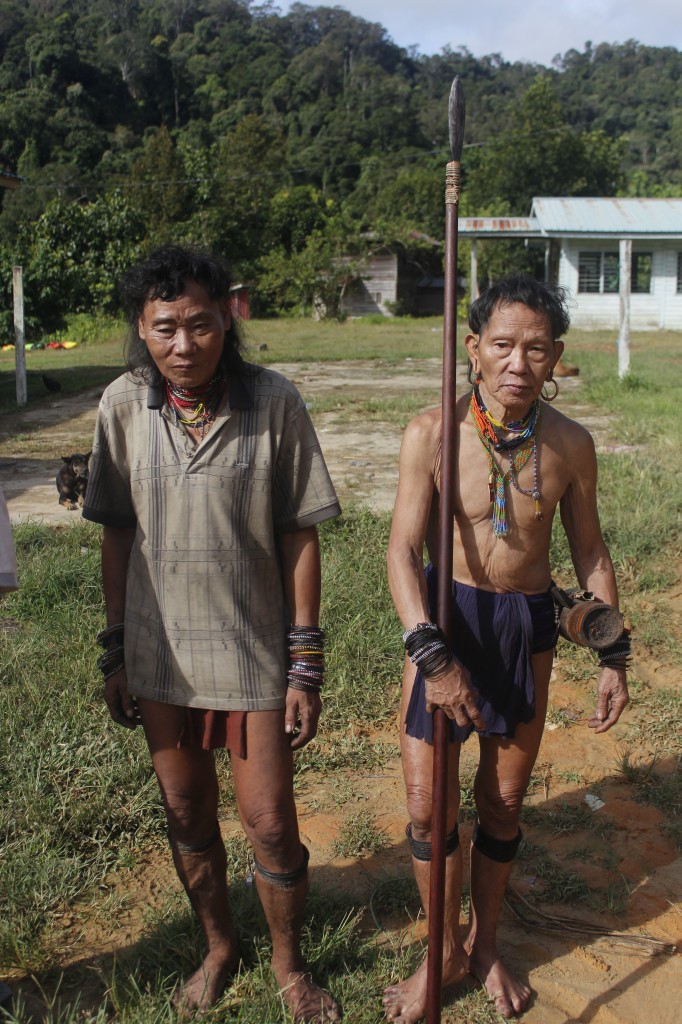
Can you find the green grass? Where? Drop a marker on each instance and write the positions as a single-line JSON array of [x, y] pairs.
[[350, 409], [562, 717], [323, 341], [661, 727], [640, 495], [359, 836], [75, 792], [557, 884], [95, 362], [655, 780], [566, 818]]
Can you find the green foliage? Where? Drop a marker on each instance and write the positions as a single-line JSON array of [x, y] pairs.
[[359, 836], [279, 138], [311, 276], [73, 257]]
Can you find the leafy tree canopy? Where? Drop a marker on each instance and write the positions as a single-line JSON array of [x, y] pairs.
[[291, 137]]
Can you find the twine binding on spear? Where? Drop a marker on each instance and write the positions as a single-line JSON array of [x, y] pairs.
[[453, 179]]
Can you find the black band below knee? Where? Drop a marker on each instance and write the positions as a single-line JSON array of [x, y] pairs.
[[500, 850], [285, 879], [421, 849], [202, 847]]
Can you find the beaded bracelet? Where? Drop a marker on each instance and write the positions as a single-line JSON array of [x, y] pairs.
[[105, 636], [306, 658], [113, 671], [427, 648], [112, 660]]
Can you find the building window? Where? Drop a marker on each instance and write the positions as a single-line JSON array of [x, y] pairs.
[[376, 297], [641, 272], [610, 268], [598, 272], [679, 272]]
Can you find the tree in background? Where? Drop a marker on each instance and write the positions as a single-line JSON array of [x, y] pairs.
[[74, 255], [198, 116], [537, 154], [311, 251], [160, 194]]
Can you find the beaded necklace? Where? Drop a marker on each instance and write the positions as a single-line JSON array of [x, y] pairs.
[[518, 450], [196, 407]]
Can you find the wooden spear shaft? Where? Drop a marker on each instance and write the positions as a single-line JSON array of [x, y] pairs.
[[445, 550]]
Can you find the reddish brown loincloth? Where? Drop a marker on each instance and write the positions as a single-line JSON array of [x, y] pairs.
[[211, 730]]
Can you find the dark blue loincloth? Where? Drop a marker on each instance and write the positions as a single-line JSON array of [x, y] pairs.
[[494, 636]]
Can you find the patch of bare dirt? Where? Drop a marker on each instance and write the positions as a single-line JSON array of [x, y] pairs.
[[362, 457], [577, 978]]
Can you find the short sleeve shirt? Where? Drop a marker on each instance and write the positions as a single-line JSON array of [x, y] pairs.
[[205, 615]]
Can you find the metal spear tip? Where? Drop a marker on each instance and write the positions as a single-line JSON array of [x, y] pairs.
[[456, 118]]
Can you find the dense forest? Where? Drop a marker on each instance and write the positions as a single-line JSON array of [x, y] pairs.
[[286, 141]]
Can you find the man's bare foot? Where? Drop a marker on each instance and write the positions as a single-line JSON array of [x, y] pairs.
[[308, 1003], [405, 1003], [510, 995], [204, 988]]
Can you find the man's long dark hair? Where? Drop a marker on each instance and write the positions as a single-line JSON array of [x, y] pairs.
[[164, 274], [539, 296]]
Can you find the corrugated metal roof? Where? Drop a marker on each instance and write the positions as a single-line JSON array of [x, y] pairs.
[[524, 227], [606, 216]]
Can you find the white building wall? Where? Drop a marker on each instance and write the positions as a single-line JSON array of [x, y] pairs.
[[668, 284], [661, 308]]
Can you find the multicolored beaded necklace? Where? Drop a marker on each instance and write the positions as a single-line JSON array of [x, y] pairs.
[[518, 449], [196, 407]]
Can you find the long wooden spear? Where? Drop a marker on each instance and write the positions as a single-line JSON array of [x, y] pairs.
[[445, 550]]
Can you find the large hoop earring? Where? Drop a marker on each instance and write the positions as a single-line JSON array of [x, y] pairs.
[[550, 398], [473, 377]]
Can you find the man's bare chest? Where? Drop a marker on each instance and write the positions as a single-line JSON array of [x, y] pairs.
[[528, 482]]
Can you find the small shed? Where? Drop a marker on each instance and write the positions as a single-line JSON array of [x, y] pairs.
[[585, 240], [397, 279]]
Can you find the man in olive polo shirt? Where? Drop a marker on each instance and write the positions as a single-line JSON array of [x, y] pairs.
[[208, 479]]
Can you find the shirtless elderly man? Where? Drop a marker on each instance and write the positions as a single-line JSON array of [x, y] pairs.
[[518, 459]]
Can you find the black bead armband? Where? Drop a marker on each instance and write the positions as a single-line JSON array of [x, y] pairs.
[[427, 648], [618, 654]]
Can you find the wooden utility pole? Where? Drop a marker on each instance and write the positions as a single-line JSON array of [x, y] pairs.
[[625, 260], [19, 337]]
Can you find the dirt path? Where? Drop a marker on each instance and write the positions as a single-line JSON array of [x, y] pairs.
[[577, 978], [362, 458]]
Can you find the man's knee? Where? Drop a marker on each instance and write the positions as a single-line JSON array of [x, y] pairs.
[[503, 851], [420, 810], [499, 810], [272, 833], [191, 813], [422, 850]]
